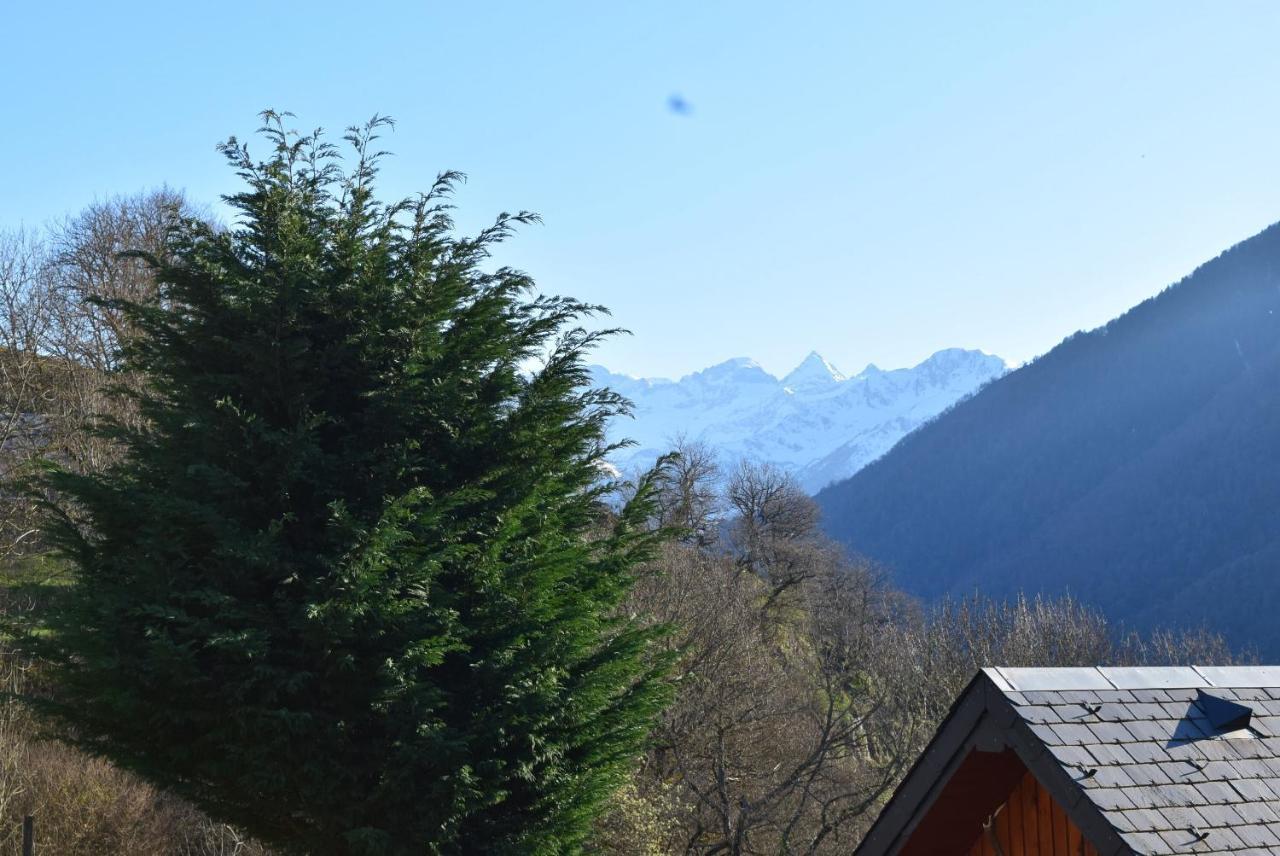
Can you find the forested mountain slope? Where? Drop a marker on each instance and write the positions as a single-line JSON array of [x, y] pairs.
[[1136, 465]]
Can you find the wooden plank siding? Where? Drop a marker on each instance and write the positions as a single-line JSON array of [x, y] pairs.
[[1030, 823]]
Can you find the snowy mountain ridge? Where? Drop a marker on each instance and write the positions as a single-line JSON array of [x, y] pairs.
[[815, 422]]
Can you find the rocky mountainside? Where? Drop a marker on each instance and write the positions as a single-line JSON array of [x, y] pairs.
[[815, 422]]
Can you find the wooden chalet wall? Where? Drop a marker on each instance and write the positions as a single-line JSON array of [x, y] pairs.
[[1032, 824]]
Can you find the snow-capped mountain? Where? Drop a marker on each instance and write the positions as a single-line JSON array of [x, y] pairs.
[[816, 422]]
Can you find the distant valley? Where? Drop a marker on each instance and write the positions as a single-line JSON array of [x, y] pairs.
[[817, 423]]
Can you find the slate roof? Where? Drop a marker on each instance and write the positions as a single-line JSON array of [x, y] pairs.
[[1130, 754]]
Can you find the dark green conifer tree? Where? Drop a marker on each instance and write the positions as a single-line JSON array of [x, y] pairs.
[[349, 588]]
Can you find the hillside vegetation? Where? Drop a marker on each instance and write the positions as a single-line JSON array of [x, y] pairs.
[[807, 683]]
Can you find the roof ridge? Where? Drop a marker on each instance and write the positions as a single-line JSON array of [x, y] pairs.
[[1042, 678]]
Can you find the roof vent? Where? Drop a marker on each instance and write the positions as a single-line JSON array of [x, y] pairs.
[[1224, 715]]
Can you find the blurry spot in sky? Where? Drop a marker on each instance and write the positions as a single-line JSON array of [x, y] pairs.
[[676, 104]]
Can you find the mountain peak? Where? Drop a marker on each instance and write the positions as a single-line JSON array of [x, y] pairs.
[[950, 360], [738, 368], [955, 355], [813, 371]]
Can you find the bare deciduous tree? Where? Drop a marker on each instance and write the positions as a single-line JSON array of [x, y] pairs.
[[687, 496], [60, 339], [775, 529], [92, 259], [29, 380]]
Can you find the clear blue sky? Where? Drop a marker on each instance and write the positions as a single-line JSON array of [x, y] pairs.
[[874, 181]]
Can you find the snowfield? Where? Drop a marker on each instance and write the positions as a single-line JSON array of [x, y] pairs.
[[816, 422]]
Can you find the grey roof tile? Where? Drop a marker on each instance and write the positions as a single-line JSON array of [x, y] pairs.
[[1143, 677], [1109, 732], [1139, 819], [1168, 796], [1187, 771], [1187, 695], [1151, 729], [1256, 835], [1225, 837], [1257, 812], [1046, 733], [1179, 818], [1178, 710], [1147, 842], [1148, 753], [1107, 777], [1149, 710], [1147, 774], [1150, 695], [1111, 753], [1219, 814], [1251, 790], [1266, 726], [1184, 841], [1218, 750], [1242, 677], [1251, 768], [1040, 713], [1024, 680], [1215, 793], [1041, 697], [1072, 755], [1074, 734], [1109, 799], [1079, 697], [1129, 821], [1118, 696]]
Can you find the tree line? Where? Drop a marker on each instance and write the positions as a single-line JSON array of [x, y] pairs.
[[308, 532]]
